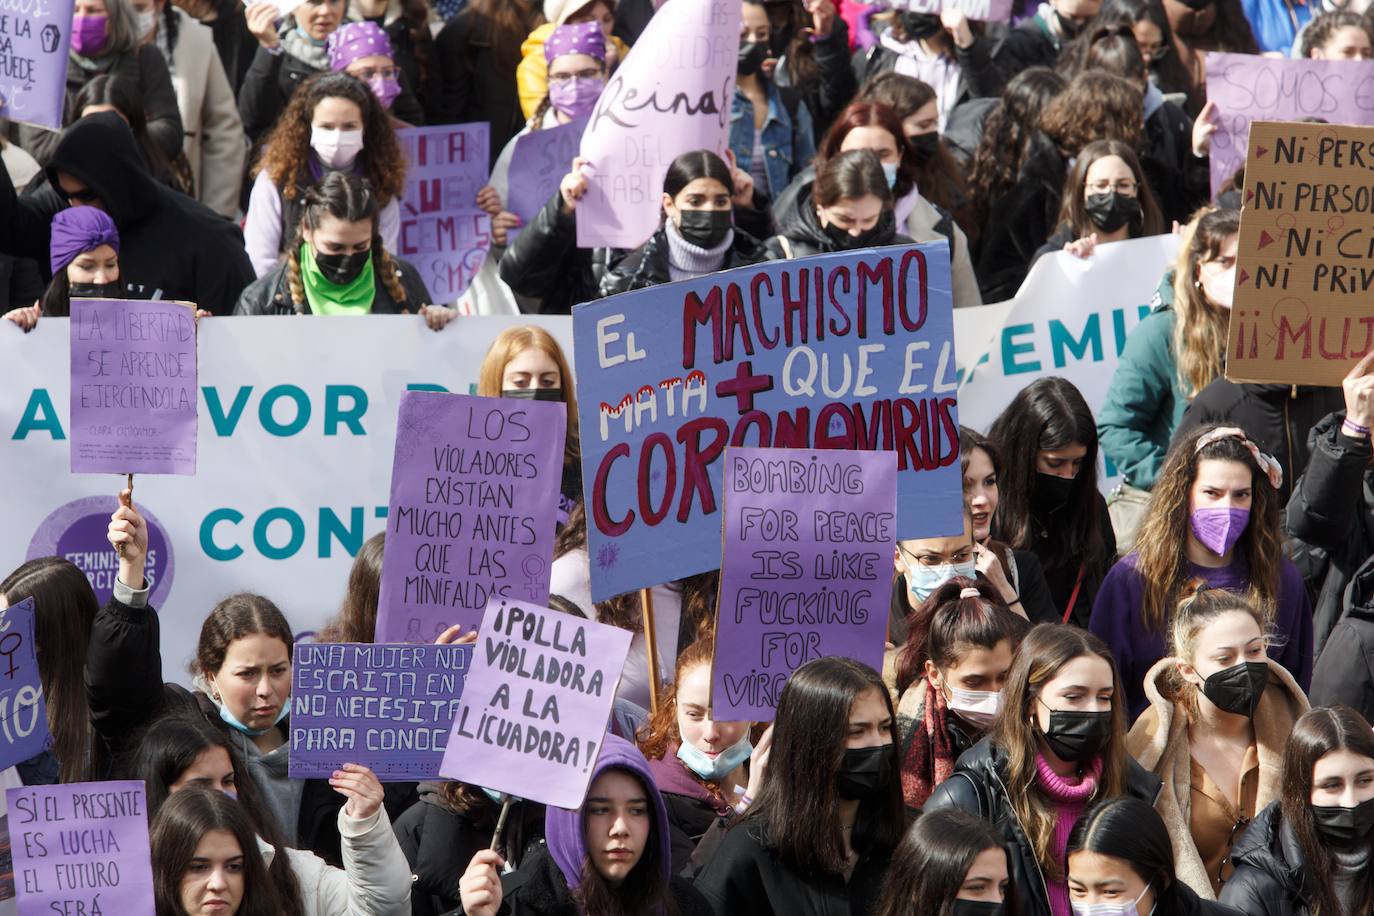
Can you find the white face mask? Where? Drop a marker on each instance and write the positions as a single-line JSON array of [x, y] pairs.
[[336, 148], [1220, 288], [144, 21], [976, 707], [1112, 909]]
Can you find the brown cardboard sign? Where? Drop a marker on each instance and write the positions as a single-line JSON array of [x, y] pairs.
[[1304, 295]]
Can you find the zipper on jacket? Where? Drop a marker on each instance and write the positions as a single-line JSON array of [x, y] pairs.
[[1044, 886]]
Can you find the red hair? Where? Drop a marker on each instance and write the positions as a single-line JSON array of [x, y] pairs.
[[871, 114]]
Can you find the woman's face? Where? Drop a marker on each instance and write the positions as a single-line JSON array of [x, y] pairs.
[[1219, 271], [1342, 779], [872, 138], [694, 720], [335, 113], [531, 368], [754, 25], [1095, 878], [933, 552], [1347, 43], [870, 722], [89, 8], [1150, 39], [699, 194], [210, 770], [1221, 484], [319, 18], [97, 266], [986, 880], [1108, 174], [974, 668], [855, 215], [980, 492], [1083, 685], [1061, 462], [599, 12], [617, 821], [1230, 639], [254, 682], [921, 121], [337, 236], [369, 68], [213, 882]]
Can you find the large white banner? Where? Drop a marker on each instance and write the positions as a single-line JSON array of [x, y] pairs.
[[297, 428]]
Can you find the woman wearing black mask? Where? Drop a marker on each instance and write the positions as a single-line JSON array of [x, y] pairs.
[[1309, 852], [1057, 747], [1106, 199], [917, 45], [851, 208], [698, 235], [820, 834], [84, 255], [950, 863]]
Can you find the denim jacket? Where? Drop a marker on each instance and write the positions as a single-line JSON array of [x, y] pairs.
[[789, 147]]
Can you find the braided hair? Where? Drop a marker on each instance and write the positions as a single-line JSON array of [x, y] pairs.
[[349, 198]]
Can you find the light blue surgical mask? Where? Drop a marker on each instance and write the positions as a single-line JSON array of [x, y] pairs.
[[233, 720], [718, 767], [922, 581], [494, 796], [1112, 909], [890, 173]]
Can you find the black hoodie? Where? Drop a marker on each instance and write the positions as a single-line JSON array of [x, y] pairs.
[[1345, 669], [169, 243]]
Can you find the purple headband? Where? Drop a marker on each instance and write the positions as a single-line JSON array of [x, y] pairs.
[[581, 38], [78, 230], [353, 40]]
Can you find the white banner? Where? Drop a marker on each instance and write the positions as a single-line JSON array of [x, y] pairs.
[[297, 428]]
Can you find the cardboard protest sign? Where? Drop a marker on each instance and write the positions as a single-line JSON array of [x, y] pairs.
[[81, 848], [23, 710], [1249, 87], [1302, 311], [443, 231], [537, 701], [387, 707], [474, 498], [133, 394], [841, 351], [537, 166], [35, 36], [981, 10], [671, 96], [805, 570]]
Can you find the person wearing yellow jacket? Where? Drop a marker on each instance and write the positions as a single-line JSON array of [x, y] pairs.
[[532, 75]]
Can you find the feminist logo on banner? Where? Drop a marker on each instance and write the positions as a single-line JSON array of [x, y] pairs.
[[81, 848], [537, 167], [389, 708], [23, 711], [536, 704], [671, 96], [805, 570], [443, 231], [842, 351], [474, 503], [1302, 310], [133, 394], [35, 36]]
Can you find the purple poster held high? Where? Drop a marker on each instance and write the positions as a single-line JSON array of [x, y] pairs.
[[81, 848], [537, 701], [23, 711], [537, 166], [806, 569], [474, 499], [34, 38], [443, 231], [134, 395]]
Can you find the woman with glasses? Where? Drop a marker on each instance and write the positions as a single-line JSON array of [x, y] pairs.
[[363, 51], [1106, 199], [1150, 25]]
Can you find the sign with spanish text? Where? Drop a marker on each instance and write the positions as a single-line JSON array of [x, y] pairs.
[[35, 36], [23, 710], [444, 234], [537, 166]]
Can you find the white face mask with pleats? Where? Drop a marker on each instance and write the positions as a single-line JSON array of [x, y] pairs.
[[1112, 909]]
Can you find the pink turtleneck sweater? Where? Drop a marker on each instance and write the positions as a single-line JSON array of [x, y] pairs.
[[1070, 796]]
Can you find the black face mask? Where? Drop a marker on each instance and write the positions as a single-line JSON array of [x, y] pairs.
[[751, 57], [1238, 689], [865, 773], [880, 234], [1067, 26], [113, 290], [342, 269], [1344, 827], [778, 40], [1051, 493], [1078, 736], [533, 394], [978, 908], [1110, 211], [921, 25], [924, 146], [705, 228]]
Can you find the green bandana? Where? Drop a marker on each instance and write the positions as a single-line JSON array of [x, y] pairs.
[[328, 298]]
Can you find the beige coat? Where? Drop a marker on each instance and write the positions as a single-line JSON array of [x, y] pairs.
[[920, 226], [1159, 742], [216, 145]]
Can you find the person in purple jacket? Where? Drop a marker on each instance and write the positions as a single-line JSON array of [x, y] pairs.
[[1214, 516]]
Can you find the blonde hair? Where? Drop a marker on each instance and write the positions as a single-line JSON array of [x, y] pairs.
[[509, 344], [1199, 609], [1200, 329]]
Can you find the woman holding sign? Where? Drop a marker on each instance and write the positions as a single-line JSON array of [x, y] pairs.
[[1106, 199], [84, 261]]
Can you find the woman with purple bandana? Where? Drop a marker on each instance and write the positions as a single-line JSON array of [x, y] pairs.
[[610, 855], [1214, 517], [85, 263], [363, 50]]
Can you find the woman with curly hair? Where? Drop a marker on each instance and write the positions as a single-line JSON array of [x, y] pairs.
[[1214, 516], [334, 123], [1341, 35]]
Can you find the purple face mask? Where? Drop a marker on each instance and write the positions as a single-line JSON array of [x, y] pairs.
[[577, 97], [1218, 529], [89, 34], [385, 89]]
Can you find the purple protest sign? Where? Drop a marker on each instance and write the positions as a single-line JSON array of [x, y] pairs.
[[537, 701], [133, 395], [444, 234], [81, 848], [474, 501], [23, 711], [539, 162], [34, 39], [806, 569], [671, 96], [1248, 87], [387, 707], [981, 10]]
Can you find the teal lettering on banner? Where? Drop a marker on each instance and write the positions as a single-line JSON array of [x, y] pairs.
[[225, 423], [207, 534], [267, 417], [1011, 349], [332, 529], [334, 414], [1061, 340], [426, 386], [39, 416], [294, 523]]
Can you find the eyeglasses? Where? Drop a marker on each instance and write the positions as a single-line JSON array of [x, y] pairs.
[[963, 556], [562, 79], [1121, 186], [369, 74]]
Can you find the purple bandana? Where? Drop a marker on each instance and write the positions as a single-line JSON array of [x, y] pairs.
[[353, 40], [582, 38], [78, 230]]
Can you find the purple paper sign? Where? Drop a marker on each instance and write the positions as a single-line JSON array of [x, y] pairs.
[[474, 500], [443, 232], [671, 96], [806, 569], [537, 701], [1248, 87], [539, 162], [23, 711], [81, 848], [981, 10], [134, 396], [387, 707], [34, 39]]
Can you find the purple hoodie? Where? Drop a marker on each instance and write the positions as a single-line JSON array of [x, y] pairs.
[[564, 831]]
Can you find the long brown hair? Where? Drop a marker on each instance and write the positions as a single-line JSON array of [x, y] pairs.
[[1007, 136], [1096, 106], [1042, 655], [509, 344], [1200, 328], [870, 114], [232, 619], [1162, 548], [1072, 210], [357, 617], [350, 199]]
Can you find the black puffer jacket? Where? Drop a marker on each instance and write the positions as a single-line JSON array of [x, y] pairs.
[[1178, 178], [270, 294], [800, 234], [1270, 877], [545, 264], [474, 82], [977, 787], [267, 86], [647, 265], [1345, 669]]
